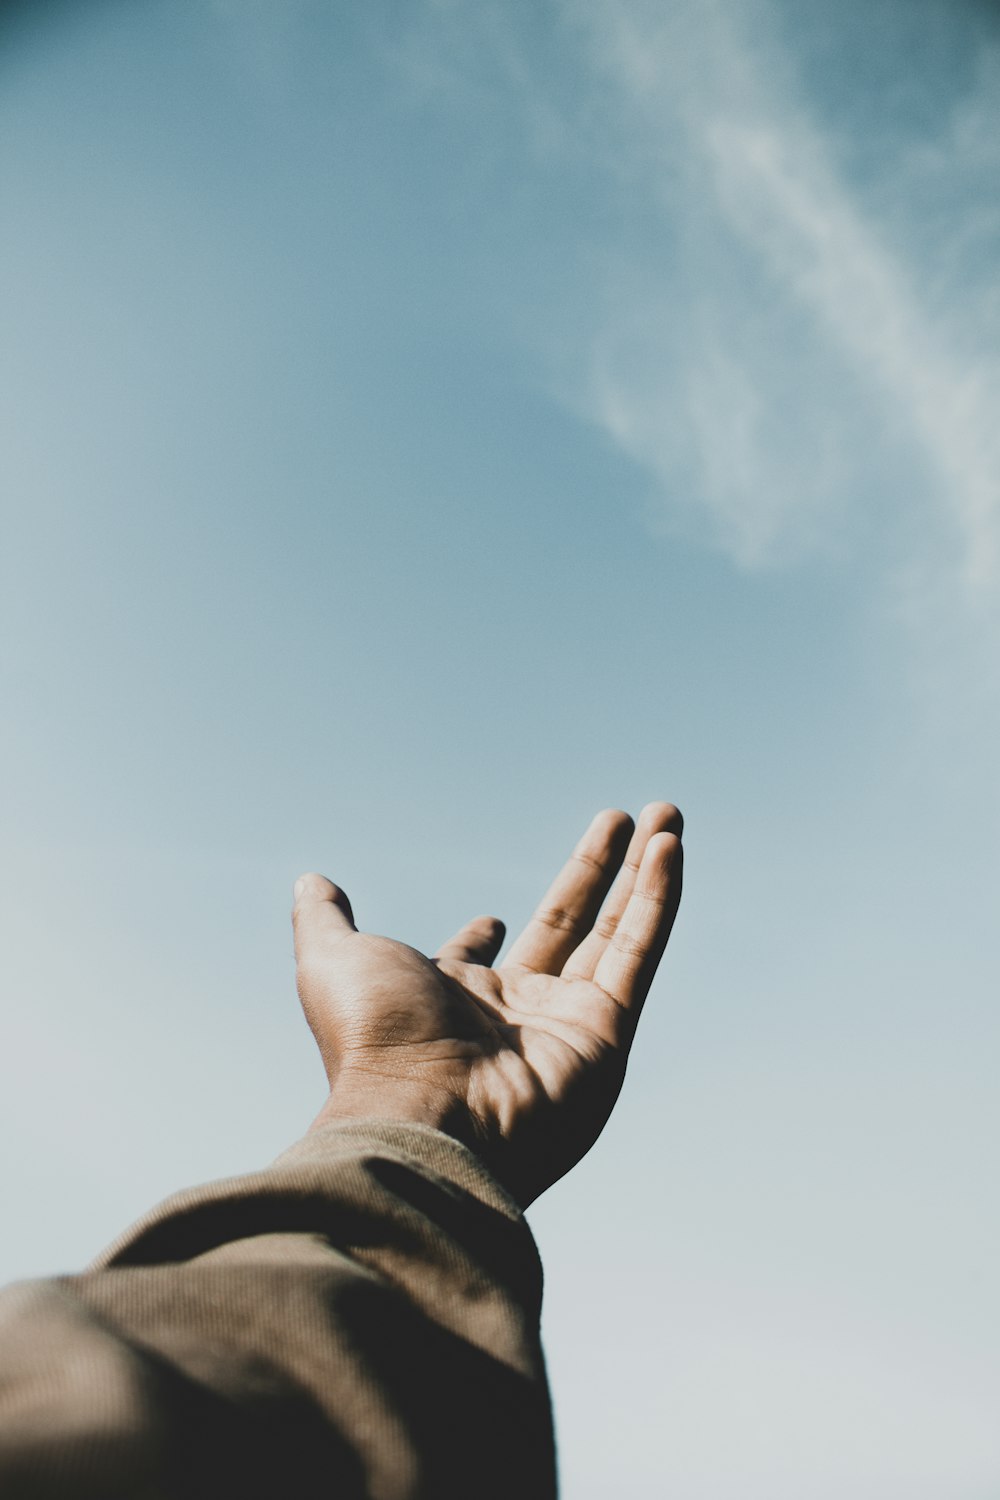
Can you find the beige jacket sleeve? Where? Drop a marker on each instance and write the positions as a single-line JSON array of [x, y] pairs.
[[361, 1319]]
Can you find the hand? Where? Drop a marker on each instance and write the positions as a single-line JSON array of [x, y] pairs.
[[523, 1062]]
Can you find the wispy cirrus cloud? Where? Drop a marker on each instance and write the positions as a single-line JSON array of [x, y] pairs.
[[800, 356], [790, 322], [778, 187], [776, 225]]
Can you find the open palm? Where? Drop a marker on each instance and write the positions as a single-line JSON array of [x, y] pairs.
[[523, 1061]]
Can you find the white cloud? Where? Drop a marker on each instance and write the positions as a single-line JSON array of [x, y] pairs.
[[778, 186], [796, 349]]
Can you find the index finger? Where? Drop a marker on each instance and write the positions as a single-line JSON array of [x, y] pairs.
[[656, 817], [574, 898]]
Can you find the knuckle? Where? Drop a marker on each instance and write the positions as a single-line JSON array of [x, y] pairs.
[[623, 942], [592, 861], [557, 918]]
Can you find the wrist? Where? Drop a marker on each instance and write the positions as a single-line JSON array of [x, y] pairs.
[[402, 1103]]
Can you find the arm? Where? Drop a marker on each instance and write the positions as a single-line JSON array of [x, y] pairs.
[[362, 1318], [364, 1312]]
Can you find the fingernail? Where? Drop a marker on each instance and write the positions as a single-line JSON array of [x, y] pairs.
[[298, 889]]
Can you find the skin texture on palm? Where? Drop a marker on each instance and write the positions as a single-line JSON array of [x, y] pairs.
[[522, 1062]]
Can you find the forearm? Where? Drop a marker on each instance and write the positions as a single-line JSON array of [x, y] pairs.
[[365, 1311]]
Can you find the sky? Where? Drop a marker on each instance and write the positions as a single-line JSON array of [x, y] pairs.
[[423, 426]]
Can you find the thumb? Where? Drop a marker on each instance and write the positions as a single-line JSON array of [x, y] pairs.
[[321, 912]]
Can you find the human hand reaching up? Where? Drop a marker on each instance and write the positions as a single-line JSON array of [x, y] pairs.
[[522, 1062]]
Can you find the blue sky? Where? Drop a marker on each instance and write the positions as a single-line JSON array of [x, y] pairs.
[[423, 426]]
